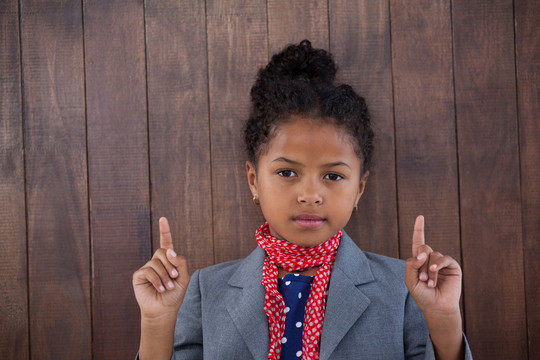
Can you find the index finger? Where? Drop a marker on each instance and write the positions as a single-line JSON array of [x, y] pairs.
[[418, 235], [165, 238]]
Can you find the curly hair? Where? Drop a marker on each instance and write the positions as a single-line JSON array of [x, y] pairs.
[[299, 80]]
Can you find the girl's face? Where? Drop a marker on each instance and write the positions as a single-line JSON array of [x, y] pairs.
[[307, 181]]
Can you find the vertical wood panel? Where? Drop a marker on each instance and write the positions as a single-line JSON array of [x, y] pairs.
[[360, 42], [55, 146], [118, 167], [179, 127], [425, 124], [489, 178], [191, 185], [290, 22], [237, 47], [13, 266], [527, 25]]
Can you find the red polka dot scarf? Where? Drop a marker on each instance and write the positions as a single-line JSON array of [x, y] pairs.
[[296, 258]]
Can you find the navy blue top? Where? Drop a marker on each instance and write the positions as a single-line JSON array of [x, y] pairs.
[[295, 290]]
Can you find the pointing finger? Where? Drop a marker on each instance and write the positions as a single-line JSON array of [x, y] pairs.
[[165, 238], [418, 236]]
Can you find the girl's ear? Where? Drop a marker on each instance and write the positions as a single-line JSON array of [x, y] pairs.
[[362, 186], [252, 177]]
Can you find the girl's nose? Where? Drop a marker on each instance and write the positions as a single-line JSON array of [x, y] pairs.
[[310, 193]]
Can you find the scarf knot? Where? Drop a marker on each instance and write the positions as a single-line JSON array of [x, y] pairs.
[[293, 257]]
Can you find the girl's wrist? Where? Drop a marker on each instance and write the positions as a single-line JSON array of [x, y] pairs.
[[165, 319], [157, 337], [446, 333]]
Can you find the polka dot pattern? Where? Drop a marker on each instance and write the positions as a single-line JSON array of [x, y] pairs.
[[296, 258], [296, 311]]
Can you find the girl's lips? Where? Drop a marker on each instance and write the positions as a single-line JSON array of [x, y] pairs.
[[308, 221]]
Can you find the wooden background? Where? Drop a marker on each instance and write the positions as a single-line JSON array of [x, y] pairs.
[[116, 112]]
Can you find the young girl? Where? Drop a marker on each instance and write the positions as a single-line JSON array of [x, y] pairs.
[[307, 291]]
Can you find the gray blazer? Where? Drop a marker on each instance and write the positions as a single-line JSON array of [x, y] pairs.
[[369, 312]]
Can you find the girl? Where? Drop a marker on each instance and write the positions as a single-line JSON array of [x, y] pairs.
[[307, 291]]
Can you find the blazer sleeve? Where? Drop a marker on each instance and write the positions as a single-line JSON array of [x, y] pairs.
[[188, 337]]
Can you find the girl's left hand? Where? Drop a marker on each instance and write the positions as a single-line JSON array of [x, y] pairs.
[[433, 279]]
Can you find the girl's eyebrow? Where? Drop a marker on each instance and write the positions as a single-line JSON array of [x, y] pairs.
[[332, 164], [286, 160]]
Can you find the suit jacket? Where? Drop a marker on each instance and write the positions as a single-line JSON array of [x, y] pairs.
[[369, 311]]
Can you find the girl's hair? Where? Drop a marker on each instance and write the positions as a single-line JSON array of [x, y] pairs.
[[300, 81]]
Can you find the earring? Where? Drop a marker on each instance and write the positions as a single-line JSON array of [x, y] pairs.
[[355, 208], [256, 200]]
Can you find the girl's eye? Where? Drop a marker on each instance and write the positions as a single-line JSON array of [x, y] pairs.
[[286, 173], [333, 177]]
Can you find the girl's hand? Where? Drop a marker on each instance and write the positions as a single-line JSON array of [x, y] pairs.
[[433, 279], [160, 285]]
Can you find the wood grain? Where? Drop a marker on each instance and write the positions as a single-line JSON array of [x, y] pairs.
[[56, 178], [290, 22], [360, 43], [489, 178], [118, 168], [182, 157], [179, 126], [527, 27], [426, 159], [13, 263], [237, 47]]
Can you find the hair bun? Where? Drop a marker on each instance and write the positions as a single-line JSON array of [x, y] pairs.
[[300, 62]]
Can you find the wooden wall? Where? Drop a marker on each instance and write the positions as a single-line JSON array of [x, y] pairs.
[[116, 112]]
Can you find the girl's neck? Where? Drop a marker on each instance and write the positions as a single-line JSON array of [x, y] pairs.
[[309, 272]]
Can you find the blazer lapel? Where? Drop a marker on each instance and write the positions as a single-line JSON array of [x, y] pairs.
[[346, 302], [246, 304]]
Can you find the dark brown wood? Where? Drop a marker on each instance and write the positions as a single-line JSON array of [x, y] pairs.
[[195, 158], [13, 265], [360, 42], [179, 126], [237, 47], [290, 22], [527, 27], [488, 145], [56, 180], [425, 124], [118, 169]]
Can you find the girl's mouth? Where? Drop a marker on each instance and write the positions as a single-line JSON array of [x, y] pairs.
[[308, 221]]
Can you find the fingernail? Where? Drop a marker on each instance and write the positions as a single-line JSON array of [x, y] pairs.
[[174, 272], [423, 276], [161, 288], [433, 267], [422, 256], [430, 283], [173, 254], [170, 284]]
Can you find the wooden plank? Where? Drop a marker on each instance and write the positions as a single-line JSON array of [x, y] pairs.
[[489, 178], [427, 179], [179, 126], [290, 22], [56, 178], [527, 25], [360, 43], [237, 47], [118, 168], [13, 266]]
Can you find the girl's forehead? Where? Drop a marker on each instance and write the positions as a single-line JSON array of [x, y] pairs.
[[308, 138]]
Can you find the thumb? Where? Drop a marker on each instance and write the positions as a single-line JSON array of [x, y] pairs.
[[412, 268], [165, 238]]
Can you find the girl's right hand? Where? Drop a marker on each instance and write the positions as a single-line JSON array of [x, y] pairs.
[[160, 285]]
